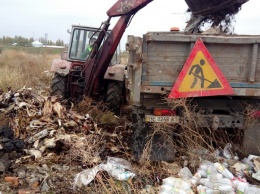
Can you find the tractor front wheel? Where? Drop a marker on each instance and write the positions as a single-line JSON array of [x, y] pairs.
[[59, 85]]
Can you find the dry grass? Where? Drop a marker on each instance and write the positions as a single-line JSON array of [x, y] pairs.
[[191, 142], [20, 68], [96, 110], [111, 136]]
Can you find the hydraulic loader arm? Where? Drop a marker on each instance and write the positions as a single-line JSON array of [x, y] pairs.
[[100, 57]]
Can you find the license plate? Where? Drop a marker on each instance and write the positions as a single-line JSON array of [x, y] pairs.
[[158, 119]]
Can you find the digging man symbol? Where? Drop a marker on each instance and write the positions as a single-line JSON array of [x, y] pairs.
[[197, 71], [198, 74]]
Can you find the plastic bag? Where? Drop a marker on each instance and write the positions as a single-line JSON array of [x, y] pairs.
[[85, 177], [116, 167]]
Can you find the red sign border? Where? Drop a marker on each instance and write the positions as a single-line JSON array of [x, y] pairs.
[[226, 90]]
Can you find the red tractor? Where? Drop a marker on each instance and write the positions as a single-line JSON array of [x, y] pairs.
[[97, 74]]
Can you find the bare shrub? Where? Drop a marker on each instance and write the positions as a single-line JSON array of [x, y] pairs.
[[97, 110]]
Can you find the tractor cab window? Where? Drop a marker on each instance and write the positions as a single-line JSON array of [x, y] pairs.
[[81, 43], [82, 39]]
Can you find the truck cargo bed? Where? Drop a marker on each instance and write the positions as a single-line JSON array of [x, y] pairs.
[[164, 54]]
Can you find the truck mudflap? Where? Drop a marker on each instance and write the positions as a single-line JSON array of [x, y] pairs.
[[251, 140], [155, 148]]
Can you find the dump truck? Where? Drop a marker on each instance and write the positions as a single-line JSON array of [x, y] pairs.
[[166, 65], [216, 74]]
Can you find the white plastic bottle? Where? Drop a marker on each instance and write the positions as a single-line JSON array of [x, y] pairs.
[[122, 176], [195, 179], [252, 189], [240, 186], [225, 172], [204, 167]]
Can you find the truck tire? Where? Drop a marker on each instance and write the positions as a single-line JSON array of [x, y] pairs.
[[251, 143], [114, 96], [59, 85]]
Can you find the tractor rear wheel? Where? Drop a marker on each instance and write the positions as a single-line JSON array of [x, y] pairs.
[[114, 96], [59, 85]]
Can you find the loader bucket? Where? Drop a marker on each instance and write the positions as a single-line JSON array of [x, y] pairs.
[[208, 7]]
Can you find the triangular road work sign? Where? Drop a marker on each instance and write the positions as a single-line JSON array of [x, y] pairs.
[[200, 76]]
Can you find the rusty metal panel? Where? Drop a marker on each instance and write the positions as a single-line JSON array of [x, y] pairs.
[[181, 37], [164, 60], [233, 60]]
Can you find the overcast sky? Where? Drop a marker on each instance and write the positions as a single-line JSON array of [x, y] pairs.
[[35, 18]]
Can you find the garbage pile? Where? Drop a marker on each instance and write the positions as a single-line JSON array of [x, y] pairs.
[[215, 179], [41, 141], [228, 175], [218, 13], [46, 146]]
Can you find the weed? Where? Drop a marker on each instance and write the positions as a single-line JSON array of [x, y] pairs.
[[20, 68]]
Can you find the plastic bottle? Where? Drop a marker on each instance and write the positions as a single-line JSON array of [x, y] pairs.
[[256, 175], [209, 189], [226, 151], [179, 191], [212, 173], [249, 161], [201, 189], [217, 186], [166, 189], [240, 186], [224, 186], [168, 184], [203, 168], [121, 175], [225, 172], [212, 191], [195, 179], [175, 185], [171, 181], [185, 173], [252, 189]]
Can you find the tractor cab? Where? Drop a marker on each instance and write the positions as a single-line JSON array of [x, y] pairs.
[[68, 69], [81, 41]]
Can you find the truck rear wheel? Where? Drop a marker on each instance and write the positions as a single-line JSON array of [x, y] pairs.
[[114, 96], [58, 85]]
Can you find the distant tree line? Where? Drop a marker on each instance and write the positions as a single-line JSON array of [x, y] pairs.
[[21, 41]]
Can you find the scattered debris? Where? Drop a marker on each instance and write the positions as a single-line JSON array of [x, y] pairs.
[[45, 145], [43, 140]]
